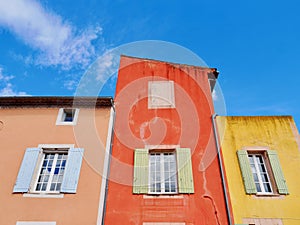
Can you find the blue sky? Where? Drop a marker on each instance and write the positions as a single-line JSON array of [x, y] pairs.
[[46, 46]]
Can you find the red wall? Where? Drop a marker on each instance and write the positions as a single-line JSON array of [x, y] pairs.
[[188, 125]]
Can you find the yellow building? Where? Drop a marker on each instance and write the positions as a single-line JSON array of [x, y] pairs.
[[262, 163]]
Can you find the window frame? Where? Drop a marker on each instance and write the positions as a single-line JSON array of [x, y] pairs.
[[62, 115], [161, 100], [262, 154], [39, 166], [36, 223], [162, 171]]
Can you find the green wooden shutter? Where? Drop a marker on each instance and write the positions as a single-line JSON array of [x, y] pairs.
[[185, 173], [141, 171], [246, 172], [277, 172]]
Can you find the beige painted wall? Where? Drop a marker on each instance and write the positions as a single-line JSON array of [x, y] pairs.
[[29, 127]]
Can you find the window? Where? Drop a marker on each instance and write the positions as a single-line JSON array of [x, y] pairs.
[[67, 116], [51, 173], [261, 172], [161, 94], [49, 170], [163, 171]]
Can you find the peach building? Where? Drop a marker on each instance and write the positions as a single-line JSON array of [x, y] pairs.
[[53, 159]]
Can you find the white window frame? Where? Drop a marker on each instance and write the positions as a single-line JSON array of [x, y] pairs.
[[162, 100], [48, 147], [162, 172], [255, 157], [51, 174], [61, 117], [163, 223], [35, 223]]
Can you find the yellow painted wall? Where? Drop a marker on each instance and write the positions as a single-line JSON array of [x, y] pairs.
[[276, 133]]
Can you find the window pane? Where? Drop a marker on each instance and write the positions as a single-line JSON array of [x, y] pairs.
[[258, 188], [260, 173], [162, 173], [51, 173], [267, 187], [255, 177]]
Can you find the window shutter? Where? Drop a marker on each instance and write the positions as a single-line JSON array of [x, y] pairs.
[[72, 170], [277, 171], [26, 170], [185, 172], [141, 171], [246, 172]]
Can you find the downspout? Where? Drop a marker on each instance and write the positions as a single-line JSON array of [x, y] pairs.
[[221, 168], [106, 167]]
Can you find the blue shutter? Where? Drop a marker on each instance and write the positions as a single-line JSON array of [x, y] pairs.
[[72, 171], [26, 170]]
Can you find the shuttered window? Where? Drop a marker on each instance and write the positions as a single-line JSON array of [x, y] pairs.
[[163, 171], [256, 175], [56, 171]]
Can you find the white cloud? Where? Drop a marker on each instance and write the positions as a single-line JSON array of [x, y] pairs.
[[71, 84], [7, 87], [58, 43], [214, 95]]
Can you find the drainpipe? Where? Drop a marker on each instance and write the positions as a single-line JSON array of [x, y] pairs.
[[110, 139], [221, 168]]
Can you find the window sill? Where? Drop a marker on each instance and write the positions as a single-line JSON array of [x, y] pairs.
[[43, 195], [155, 196], [66, 123], [267, 196]]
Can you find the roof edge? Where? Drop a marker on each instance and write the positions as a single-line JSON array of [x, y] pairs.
[[55, 101]]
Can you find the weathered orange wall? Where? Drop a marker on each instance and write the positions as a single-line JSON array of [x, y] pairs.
[[29, 127], [192, 91]]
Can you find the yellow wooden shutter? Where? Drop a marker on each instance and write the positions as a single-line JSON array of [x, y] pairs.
[[141, 171], [185, 172]]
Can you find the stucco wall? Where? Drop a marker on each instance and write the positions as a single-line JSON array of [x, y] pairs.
[[274, 133], [188, 125], [28, 127]]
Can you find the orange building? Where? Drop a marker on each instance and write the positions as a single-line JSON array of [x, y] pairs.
[[53, 162], [164, 166]]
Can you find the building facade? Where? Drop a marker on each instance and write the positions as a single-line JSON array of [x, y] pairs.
[[164, 168], [262, 163], [53, 158]]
